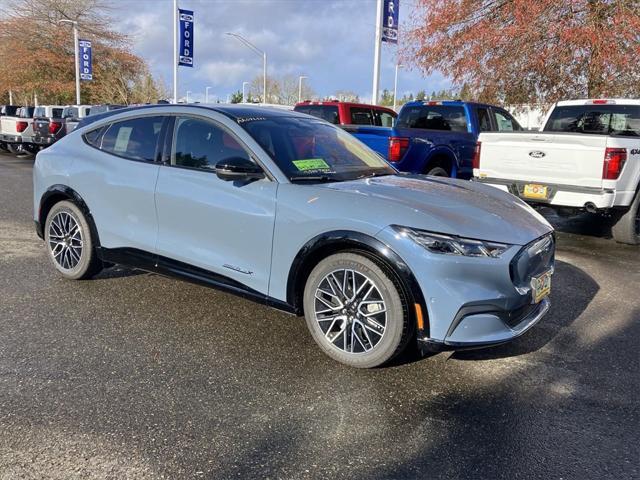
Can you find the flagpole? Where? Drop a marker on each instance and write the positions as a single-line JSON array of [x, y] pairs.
[[376, 54], [175, 51]]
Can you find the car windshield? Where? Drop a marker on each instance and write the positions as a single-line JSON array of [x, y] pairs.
[[310, 149]]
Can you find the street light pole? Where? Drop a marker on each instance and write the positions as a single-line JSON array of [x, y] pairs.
[[75, 55], [395, 86], [300, 87], [206, 95], [244, 96], [188, 92], [257, 51]]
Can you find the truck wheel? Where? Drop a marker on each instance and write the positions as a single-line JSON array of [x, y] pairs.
[[627, 228], [355, 312], [437, 172], [67, 236], [14, 148]]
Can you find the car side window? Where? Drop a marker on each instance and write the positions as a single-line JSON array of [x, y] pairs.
[[135, 139], [484, 121], [202, 144], [94, 136], [505, 122], [385, 119], [361, 116]]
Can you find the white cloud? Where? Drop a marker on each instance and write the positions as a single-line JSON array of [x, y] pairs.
[[330, 41]]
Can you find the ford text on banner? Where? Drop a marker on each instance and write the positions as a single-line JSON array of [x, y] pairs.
[[186, 38], [84, 51], [390, 21]]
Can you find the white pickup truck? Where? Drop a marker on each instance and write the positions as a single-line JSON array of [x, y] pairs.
[[16, 132], [586, 157]]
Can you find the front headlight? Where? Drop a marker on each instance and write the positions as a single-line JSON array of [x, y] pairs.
[[452, 245]]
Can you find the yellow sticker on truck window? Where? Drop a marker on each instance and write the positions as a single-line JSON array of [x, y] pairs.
[[311, 164]]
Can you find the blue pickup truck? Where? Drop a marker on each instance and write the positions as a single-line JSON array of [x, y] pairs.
[[435, 137]]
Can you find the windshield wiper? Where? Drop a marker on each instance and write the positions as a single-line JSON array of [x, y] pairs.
[[312, 178], [375, 174]]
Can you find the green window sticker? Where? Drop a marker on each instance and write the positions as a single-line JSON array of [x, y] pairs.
[[310, 164]]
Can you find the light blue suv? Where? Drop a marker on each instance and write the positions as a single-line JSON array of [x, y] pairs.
[[289, 210]]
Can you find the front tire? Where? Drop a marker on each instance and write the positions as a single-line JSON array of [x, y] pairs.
[[627, 226], [355, 311], [69, 242]]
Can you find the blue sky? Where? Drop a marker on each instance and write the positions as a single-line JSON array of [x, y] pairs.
[[330, 41]]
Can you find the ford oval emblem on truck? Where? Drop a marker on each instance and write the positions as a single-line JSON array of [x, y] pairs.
[[537, 154]]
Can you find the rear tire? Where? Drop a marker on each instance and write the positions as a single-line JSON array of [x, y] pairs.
[[364, 329], [69, 243], [627, 227], [437, 172], [15, 148]]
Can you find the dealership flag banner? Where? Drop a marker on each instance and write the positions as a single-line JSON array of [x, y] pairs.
[[86, 68], [390, 21], [186, 38]]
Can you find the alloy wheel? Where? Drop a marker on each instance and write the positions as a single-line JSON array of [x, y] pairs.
[[65, 240], [350, 311]]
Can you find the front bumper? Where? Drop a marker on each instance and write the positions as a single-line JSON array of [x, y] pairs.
[[474, 302], [487, 329]]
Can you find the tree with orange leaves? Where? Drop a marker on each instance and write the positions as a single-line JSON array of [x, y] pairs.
[[37, 58], [524, 51]]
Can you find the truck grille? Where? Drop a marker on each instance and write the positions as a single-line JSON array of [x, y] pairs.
[[532, 260]]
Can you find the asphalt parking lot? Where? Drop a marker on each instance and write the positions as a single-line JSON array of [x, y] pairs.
[[133, 375]]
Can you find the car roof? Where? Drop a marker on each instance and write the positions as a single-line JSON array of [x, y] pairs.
[[332, 103], [599, 101], [233, 111], [460, 103]]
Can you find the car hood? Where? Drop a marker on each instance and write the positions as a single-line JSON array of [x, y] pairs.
[[451, 206]]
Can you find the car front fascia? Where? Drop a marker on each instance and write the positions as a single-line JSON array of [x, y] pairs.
[[470, 302]]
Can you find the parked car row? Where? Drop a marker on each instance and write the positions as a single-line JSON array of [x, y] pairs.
[[30, 129], [431, 137], [586, 157]]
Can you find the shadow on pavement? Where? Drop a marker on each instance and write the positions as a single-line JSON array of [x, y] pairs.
[[589, 224], [572, 291]]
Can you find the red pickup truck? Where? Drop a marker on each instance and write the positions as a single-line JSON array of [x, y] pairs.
[[346, 113]]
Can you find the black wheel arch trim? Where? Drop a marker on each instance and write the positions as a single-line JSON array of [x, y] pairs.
[[329, 242], [64, 192]]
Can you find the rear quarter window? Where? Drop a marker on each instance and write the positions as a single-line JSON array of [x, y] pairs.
[[134, 139], [434, 117]]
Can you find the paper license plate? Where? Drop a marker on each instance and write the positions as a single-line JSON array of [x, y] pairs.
[[541, 286], [533, 190]]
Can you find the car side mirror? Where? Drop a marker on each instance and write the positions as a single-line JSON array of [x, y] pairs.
[[238, 168]]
